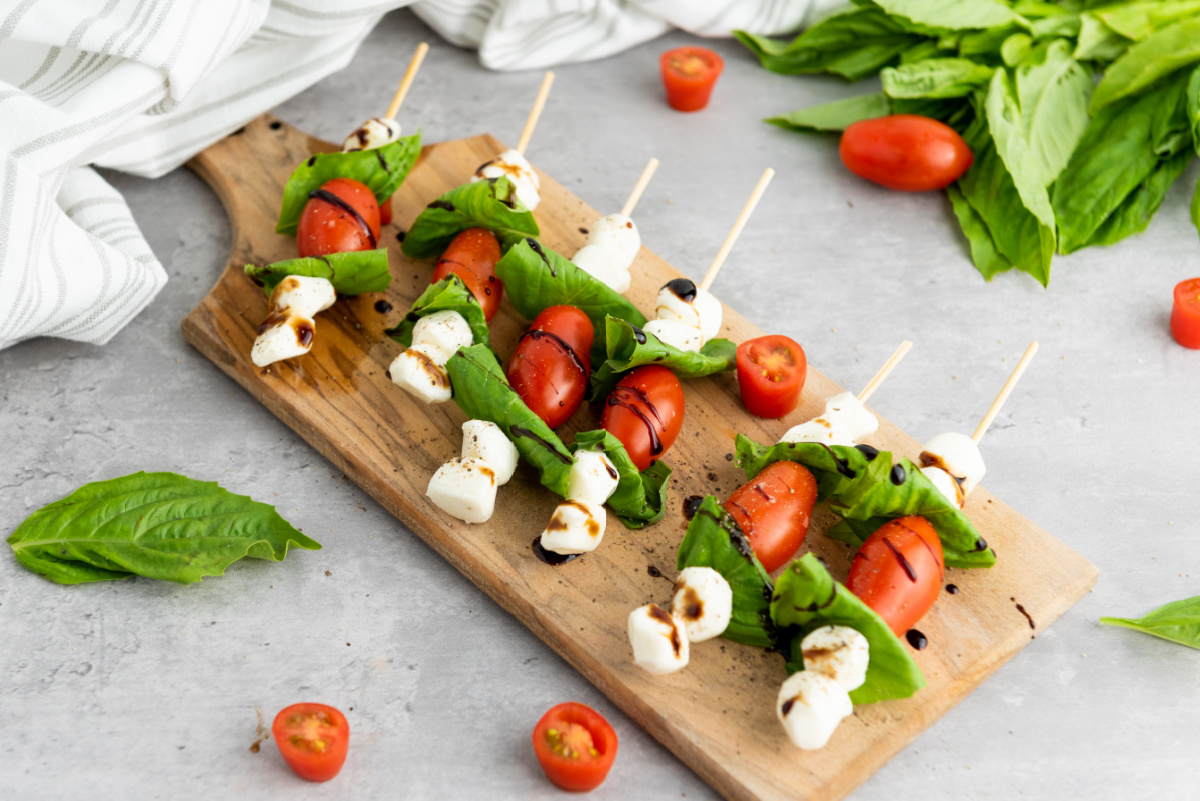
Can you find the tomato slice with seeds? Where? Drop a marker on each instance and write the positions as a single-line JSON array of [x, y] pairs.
[[689, 74], [313, 739], [771, 372], [575, 746]]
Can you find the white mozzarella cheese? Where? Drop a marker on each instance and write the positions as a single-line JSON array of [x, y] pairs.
[[675, 333], [444, 333], [845, 422], [959, 456], [575, 527], [946, 485], [603, 265], [703, 600], [282, 336], [810, 707], [375, 132], [683, 301], [303, 295], [593, 478], [416, 370], [819, 429], [617, 234], [839, 652], [659, 641], [464, 488], [516, 168], [483, 440]]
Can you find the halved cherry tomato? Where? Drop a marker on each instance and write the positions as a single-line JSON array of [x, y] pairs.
[[898, 571], [689, 74], [645, 412], [905, 152], [774, 511], [313, 739], [472, 256], [339, 217], [771, 372], [575, 746], [552, 362], [1185, 316]]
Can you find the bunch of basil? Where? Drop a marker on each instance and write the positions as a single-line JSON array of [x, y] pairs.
[[1081, 114]]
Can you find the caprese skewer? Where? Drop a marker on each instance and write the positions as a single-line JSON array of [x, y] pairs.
[[613, 241], [512, 164]]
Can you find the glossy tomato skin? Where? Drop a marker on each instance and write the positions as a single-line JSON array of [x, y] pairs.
[[898, 571], [564, 741], [1185, 315], [342, 216], [472, 256], [689, 74], [550, 367], [645, 412], [313, 739], [774, 511], [385, 212], [905, 152], [771, 372]]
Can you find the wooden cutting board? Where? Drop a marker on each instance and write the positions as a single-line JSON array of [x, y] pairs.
[[718, 715]]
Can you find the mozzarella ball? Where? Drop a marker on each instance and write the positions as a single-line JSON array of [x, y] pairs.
[[464, 488], [660, 644], [958, 455], [703, 600], [819, 429], [304, 295], [375, 132], [845, 422], [617, 234], [417, 371], [687, 303], [282, 336], [593, 478], [676, 334], [603, 265], [946, 485], [839, 652], [575, 527], [810, 707], [516, 168], [483, 440], [443, 333]]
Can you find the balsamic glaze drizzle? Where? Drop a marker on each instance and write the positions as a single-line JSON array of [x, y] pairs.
[[519, 431], [337, 202]]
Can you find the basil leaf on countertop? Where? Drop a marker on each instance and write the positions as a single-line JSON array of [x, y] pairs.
[[158, 525], [382, 169], [984, 251], [626, 351], [536, 278], [714, 540], [492, 204], [1160, 54], [640, 498], [835, 116], [449, 294], [808, 597], [351, 273], [1178, 621]]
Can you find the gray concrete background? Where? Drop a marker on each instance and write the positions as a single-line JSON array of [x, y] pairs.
[[143, 689]]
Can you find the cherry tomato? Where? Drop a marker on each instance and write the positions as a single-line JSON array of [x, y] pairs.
[[575, 746], [645, 412], [689, 74], [472, 256], [385, 212], [341, 216], [898, 571], [774, 511], [1185, 316], [905, 152], [771, 372], [550, 367], [313, 739]]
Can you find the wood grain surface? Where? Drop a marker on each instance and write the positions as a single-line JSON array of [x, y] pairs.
[[717, 715]]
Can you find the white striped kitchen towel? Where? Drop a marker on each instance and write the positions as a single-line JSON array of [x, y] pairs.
[[142, 85]]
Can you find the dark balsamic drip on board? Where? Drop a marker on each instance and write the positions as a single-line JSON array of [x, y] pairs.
[[691, 504], [656, 573], [536, 246], [550, 557], [337, 202], [382, 306], [898, 474], [618, 398], [904, 563], [400, 236], [1021, 609], [519, 431], [867, 451], [916, 639], [683, 288], [952, 589], [536, 334]]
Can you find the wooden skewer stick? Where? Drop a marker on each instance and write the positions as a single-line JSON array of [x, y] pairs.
[[887, 368], [639, 188], [1005, 391], [406, 82], [723, 253], [535, 112]]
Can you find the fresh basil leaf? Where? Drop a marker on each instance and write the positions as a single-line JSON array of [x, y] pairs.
[[1138, 21], [1137, 209], [1097, 41], [492, 204], [449, 294], [1016, 49], [1004, 123], [714, 540], [986, 45], [1195, 209], [629, 347], [351, 273], [158, 525], [955, 14], [536, 278], [382, 170], [987, 257], [640, 498], [1160, 54], [1178, 621], [922, 51], [1052, 95], [1193, 107], [807, 597], [835, 116], [935, 77]]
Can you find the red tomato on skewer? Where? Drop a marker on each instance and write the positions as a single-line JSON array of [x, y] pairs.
[[339, 217], [552, 362], [898, 571], [645, 412], [774, 511], [472, 256]]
